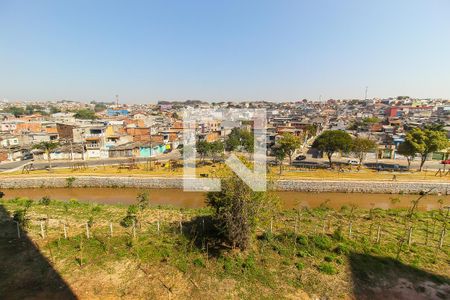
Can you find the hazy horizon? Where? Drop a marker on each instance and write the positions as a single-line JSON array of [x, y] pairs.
[[277, 51]]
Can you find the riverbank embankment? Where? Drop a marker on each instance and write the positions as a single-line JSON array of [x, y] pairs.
[[318, 186]]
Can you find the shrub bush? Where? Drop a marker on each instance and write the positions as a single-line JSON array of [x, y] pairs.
[[327, 268]]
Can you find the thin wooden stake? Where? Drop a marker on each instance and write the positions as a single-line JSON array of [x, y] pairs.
[[134, 229], [410, 236], [42, 230], [65, 231], [271, 225], [441, 240], [18, 230], [181, 227], [111, 229], [350, 229], [378, 233], [87, 231], [157, 223]]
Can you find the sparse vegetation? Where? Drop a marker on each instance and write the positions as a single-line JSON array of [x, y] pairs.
[[317, 257]]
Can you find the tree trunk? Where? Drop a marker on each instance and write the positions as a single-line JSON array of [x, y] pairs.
[[409, 163], [49, 161], [281, 167], [423, 158], [329, 155]]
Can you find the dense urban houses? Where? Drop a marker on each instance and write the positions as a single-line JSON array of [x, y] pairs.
[[101, 130]]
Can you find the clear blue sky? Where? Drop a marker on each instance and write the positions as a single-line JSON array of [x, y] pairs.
[[223, 50]]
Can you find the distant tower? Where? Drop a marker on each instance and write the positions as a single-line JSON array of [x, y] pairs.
[[367, 88], [117, 100]]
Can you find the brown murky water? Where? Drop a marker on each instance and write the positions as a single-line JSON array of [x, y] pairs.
[[179, 198]]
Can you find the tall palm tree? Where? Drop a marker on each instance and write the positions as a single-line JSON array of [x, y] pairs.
[[48, 148]]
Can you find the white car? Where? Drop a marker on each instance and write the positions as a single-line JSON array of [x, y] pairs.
[[352, 162]]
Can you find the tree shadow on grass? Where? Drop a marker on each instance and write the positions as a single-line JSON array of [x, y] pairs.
[[24, 272], [386, 278], [202, 232]]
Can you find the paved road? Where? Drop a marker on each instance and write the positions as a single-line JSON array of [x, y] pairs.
[[429, 165], [67, 164]]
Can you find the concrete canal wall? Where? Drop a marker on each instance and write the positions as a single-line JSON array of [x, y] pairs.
[[282, 185]]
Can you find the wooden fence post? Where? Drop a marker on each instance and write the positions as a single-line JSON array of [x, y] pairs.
[[441, 240], [410, 235], [65, 230], [87, 231], [296, 224], [42, 230], [378, 234], [323, 227], [134, 229], [111, 229], [350, 229], [18, 230]]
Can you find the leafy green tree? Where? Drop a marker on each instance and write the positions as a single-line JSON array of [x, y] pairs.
[[143, 200], [203, 149], [31, 109], [48, 148], [332, 141], [131, 217], [361, 146], [216, 149], [99, 107], [238, 211], [85, 114], [15, 110], [240, 139], [436, 126], [289, 143], [426, 141], [311, 130], [371, 120], [280, 155], [407, 150], [135, 212], [54, 110]]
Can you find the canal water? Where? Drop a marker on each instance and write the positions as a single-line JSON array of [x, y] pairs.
[[179, 198]]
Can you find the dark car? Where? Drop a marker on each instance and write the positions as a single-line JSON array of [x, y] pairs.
[[27, 156], [300, 157]]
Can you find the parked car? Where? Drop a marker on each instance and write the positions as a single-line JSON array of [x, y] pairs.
[[300, 157], [273, 162], [27, 156], [352, 162]]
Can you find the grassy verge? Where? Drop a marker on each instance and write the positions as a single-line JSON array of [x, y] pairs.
[[175, 253], [215, 170]]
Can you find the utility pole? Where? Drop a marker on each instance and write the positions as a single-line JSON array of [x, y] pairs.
[[71, 150], [151, 146], [367, 88], [9, 149]]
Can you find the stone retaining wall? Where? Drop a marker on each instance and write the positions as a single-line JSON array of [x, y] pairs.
[[283, 185]]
